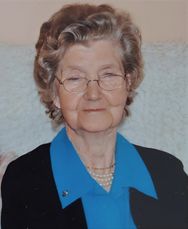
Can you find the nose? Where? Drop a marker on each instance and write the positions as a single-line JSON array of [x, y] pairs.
[[93, 91]]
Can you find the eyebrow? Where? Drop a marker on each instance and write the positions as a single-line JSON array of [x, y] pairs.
[[73, 67], [80, 68], [109, 66]]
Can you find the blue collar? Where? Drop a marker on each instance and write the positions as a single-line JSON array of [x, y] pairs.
[[73, 181]]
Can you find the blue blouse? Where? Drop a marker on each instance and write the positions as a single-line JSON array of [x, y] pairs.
[[102, 209]]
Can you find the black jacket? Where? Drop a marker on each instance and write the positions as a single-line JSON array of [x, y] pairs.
[[30, 199]]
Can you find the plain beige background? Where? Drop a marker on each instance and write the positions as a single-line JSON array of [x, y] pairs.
[[159, 20]]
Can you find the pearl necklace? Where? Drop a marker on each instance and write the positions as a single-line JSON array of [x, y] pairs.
[[104, 179]]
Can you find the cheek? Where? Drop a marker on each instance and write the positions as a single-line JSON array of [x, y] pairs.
[[68, 105], [117, 102], [68, 102], [118, 98]]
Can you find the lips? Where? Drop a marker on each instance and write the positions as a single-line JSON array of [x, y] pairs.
[[94, 110]]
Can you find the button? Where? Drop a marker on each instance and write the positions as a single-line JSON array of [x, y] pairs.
[[65, 193]]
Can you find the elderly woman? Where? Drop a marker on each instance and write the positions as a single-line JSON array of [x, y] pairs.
[[87, 67]]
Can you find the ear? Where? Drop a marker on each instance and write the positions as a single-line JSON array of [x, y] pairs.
[[128, 81], [56, 101]]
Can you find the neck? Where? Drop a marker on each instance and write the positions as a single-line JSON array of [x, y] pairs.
[[95, 149]]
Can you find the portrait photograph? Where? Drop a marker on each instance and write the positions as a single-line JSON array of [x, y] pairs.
[[94, 114]]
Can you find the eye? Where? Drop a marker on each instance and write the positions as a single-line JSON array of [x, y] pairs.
[[108, 75], [74, 78]]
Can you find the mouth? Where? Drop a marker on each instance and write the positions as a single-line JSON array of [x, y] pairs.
[[94, 110]]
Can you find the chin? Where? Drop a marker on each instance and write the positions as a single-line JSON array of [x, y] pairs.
[[93, 123], [97, 127], [88, 127]]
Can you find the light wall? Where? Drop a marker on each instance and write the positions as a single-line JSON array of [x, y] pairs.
[[160, 21]]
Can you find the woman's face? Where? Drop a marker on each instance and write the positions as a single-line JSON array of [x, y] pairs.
[[93, 109]]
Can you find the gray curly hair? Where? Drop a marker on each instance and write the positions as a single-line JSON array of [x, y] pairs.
[[82, 23]]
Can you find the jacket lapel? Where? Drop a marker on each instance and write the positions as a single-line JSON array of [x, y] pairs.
[[74, 215], [145, 210]]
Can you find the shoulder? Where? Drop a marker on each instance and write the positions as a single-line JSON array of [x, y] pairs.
[[164, 168], [37, 155], [171, 185], [158, 160], [150, 155], [28, 163]]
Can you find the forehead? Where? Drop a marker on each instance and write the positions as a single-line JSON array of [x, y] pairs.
[[95, 54]]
